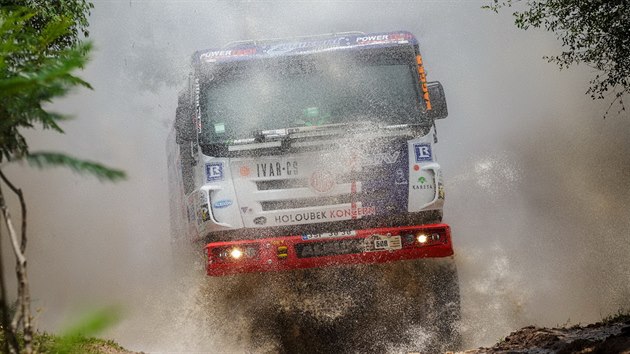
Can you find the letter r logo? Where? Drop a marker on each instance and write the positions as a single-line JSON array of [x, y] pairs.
[[214, 171], [422, 152]]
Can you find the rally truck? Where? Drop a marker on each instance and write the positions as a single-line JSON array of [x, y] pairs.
[[311, 153]]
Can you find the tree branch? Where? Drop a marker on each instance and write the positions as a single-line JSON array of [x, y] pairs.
[[20, 195]]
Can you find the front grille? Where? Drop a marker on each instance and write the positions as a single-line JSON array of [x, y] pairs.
[[292, 183], [329, 248], [282, 184], [305, 202]]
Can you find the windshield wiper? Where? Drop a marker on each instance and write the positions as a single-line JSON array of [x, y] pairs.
[[283, 138], [312, 131]]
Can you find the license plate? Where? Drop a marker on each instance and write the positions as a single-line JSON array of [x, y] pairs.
[[329, 235], [329, 248]]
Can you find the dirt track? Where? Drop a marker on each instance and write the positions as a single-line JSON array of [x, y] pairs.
[[603, 337], [611, 337]]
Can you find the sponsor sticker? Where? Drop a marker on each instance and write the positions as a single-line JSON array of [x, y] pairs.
[[261, 220], [300, 217], [214, 171], [352, 212], [327, 215], [305, 46], [276, 169], [224, 203], [380, 158], [204, 214], [203, 208], [244, 171], [401, 177], [421, 184], [322, 181], [212, 56], [372, 39], [219, 128], [422, 152], [426, 186]]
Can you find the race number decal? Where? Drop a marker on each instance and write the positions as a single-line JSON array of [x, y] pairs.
[[382, 243]]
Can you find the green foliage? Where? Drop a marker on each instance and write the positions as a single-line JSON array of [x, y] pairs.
[[594, 32], [25, 85], [48, 343], [40, 49], [49, 159], [24, 88], [77, 338], [36, 66], [75, 12]]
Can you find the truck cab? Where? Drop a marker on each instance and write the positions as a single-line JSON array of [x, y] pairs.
[[309, 152]]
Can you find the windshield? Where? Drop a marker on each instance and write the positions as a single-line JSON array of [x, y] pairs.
[[238, 99]]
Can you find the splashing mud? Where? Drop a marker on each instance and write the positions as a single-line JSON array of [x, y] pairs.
[[537, 184], [345, 309]]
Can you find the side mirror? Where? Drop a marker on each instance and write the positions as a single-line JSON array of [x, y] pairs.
[[438, 101]]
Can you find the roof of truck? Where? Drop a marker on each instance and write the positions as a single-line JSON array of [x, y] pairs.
[[246, 50]]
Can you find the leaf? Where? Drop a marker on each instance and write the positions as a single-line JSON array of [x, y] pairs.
[[33, 73], [592, 32], [52, 159], [74, 338]]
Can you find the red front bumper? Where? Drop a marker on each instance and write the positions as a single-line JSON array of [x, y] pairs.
[[310, 251]]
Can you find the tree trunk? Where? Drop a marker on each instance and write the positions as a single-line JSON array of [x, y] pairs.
[[23, 311], [10, 342]]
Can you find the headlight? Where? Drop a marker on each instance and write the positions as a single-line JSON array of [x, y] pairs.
[[236, 253], [422, 238]]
